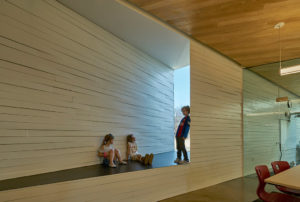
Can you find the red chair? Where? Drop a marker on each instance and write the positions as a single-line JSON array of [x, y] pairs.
[[279, 166], [263, 173]]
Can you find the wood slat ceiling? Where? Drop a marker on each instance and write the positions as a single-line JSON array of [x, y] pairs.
[[240, 29]]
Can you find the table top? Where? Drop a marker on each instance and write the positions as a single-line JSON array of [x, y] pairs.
[[289, 178]]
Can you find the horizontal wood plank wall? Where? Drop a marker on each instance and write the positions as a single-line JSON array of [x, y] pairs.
[[216, 146], [65, 83], [216, 99], [261, 125]]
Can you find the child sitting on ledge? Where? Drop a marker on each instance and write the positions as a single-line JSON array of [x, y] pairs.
[[108, 151], [133, 153]]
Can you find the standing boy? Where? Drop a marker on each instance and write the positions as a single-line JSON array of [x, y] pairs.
[[181, 135]]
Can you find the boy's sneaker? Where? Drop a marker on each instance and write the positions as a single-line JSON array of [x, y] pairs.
[[177, 160], [184, 162]]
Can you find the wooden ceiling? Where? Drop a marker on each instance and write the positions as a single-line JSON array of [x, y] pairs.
[[243, 30]]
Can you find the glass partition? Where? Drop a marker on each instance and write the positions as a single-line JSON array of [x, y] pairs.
[[271, 118]]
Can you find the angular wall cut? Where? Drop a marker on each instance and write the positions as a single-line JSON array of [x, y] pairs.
[[65, 83]]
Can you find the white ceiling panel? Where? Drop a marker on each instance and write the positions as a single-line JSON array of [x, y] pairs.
[[144, 33]]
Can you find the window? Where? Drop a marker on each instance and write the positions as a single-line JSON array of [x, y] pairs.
[[181, 96]]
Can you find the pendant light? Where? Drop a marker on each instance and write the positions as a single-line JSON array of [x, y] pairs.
[[287, 70]]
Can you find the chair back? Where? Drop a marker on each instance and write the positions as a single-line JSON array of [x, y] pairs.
[[279, 166], [262, 172]]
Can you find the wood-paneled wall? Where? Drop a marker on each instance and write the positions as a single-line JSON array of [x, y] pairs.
[[261, 122], [65, 83], [216, 135], [216, 132]]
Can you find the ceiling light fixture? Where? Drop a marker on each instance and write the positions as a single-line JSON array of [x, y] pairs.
[[286, 70], [290, 70]]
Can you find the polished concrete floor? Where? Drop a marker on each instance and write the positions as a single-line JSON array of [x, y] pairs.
[[160, 160], [237, 190]]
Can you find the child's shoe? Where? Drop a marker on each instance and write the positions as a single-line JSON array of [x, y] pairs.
[[177, 160], [146, 160], [150, 159], [112, 165], [123, 163], [184, 162]]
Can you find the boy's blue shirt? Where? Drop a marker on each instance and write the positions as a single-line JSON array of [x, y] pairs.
[[186, 127]]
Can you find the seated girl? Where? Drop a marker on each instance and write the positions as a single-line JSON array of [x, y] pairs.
[[133, 154], [108, 151]]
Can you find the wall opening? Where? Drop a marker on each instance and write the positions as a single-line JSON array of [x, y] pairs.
[[181, 97]]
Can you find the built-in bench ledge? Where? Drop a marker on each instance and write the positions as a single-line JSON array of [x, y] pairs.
[[160, 160]]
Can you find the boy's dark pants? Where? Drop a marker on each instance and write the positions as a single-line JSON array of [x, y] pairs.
[[181, 148]]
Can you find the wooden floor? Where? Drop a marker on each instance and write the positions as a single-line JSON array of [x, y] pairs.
[[160, 160], [237, 190]]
